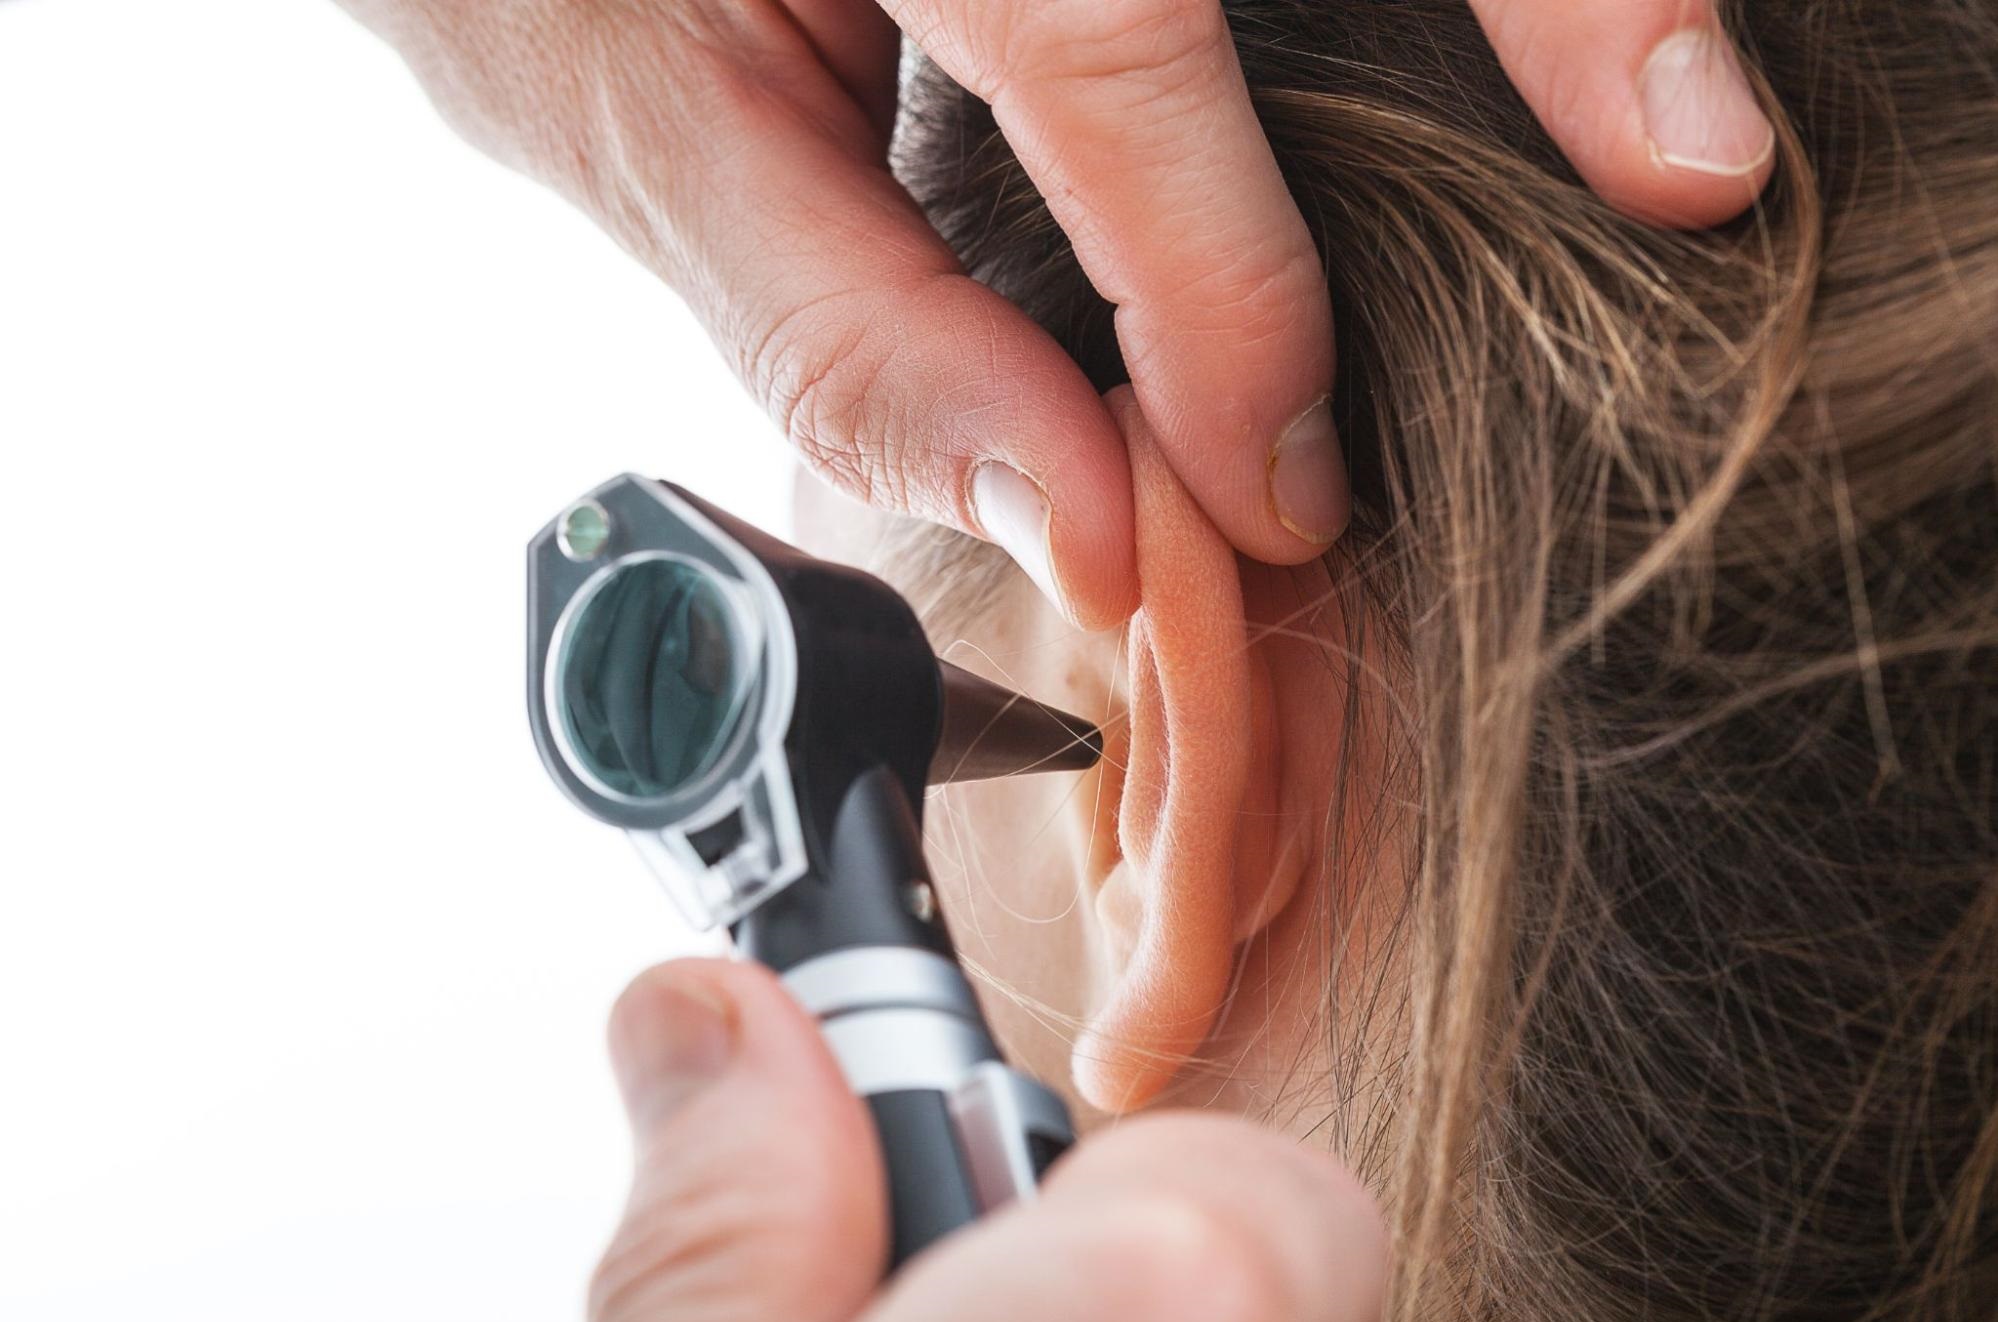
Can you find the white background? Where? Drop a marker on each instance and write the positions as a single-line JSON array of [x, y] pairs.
[[303, 960]]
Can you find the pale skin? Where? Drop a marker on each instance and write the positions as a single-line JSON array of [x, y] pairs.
[[738, 149], [1149, 936], [1149, 932]]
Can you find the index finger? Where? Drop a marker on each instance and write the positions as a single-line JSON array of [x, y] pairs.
[[1134, 122]]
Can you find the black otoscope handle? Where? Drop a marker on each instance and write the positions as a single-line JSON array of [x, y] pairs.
[[928, 1195], [962, 1133], [861, 945]]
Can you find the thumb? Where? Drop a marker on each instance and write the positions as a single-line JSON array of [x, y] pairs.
[[1646, 97], [758, 1192]]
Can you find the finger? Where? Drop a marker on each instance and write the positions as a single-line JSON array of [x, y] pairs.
[[1135, 123], [861, 46], [1646, 97], [758, 1190], [907, 383], [1174, 1218]]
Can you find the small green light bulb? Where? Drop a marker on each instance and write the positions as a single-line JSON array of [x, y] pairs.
[[584, 531]]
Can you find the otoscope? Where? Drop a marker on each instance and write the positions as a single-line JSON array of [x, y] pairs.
[[764, 724]]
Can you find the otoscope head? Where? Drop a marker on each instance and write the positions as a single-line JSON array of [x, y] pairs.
[[716, 692]]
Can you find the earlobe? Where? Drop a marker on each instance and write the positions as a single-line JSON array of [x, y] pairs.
[[1171, 908]]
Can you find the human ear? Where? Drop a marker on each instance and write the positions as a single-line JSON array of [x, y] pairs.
[[1205, 857]]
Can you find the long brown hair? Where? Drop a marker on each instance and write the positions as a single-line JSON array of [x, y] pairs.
[[1690, 544]]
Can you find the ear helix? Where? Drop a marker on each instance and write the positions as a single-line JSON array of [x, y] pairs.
[[1186, 772]]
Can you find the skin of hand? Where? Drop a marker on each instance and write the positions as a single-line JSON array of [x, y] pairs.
[[758, 1195], [739, 149]]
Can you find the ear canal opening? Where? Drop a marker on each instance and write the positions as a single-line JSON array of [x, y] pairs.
[[989, 731]]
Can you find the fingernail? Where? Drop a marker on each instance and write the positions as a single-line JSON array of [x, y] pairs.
[[670, 1045], [1014, 513], [1308, 476], [1698, 109]]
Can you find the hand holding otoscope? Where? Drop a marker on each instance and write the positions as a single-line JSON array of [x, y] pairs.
[[764, 724]]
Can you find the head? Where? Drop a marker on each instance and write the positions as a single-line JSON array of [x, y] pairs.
[[1600, 847]]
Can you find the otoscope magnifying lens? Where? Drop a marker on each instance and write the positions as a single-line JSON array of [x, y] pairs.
[[651, 682]]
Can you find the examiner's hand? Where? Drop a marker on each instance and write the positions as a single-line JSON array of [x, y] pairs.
[[739, 148], [758, 1196]]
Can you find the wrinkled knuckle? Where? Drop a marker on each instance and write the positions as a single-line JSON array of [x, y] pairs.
[[1172, 1257], [1264, 293], [830, 396], [702, 1240], [825, 419], [1159, 44], [624, 1282], [652, 1259]]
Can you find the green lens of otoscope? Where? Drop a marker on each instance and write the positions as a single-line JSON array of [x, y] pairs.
[[652, 681]]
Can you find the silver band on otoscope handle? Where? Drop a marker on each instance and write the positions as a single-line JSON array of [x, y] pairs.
[[901, 1020]]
